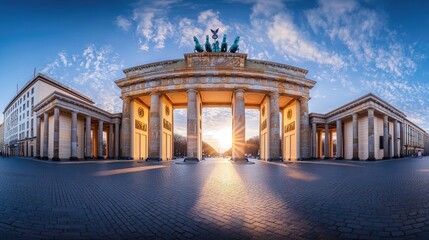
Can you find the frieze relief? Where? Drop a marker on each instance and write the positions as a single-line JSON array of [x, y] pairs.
[[214, 62], [166, 124], [264, 125], [290, 127], [140, 125]]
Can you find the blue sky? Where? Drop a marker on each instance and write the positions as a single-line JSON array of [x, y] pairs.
[[350, 47]]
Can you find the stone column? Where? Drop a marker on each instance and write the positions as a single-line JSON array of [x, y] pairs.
[[100, 139], [327, 141], [192, 127], [126, 129], [355, 137], [304, 129], [172, 133], [339, 148], [56, 134], [111, 150], [73, 136], [154, 128], [116, 140], [386, 137], [38, 123], [402, 139], [88, 143], [395, 139], [371, 140], [274, 128], [45, 136], [313, 140], [239, 127]]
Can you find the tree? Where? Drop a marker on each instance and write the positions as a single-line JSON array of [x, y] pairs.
[[180, 147], [252, 146]]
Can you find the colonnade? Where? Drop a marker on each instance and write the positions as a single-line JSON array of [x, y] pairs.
[[93, 136], [397, 137], [194, 127]]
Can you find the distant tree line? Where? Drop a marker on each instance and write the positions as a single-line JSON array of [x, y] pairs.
[[180, 147], [251, 148]]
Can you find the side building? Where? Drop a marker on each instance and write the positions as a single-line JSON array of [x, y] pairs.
[[22, 124], [367, 128]]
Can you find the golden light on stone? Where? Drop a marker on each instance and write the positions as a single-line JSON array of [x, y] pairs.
[[127, 170]]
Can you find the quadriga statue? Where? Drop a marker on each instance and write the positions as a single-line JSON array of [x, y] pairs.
[[234, 47], [224, 45], [198, 47]]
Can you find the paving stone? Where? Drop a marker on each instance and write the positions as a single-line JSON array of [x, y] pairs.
[[214, 200]]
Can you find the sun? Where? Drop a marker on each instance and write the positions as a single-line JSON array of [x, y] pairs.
[[224, 137]]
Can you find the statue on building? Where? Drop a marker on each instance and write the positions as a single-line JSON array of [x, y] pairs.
[[234, 47], [198, 47], [224, 46], [208, 45], [215, 46]]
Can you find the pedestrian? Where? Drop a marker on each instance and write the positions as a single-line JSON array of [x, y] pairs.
[[419, 154]]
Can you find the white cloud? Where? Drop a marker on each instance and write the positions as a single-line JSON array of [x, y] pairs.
[[409, 97], [364, 32], [93, 75], [123, 23], [288, 39]]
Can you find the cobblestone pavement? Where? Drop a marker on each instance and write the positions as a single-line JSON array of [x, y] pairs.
[[214, 199]]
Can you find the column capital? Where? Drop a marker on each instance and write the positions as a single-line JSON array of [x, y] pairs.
[[274, 94], [125, 98], [239, 90], [154, 93], [192, 90]]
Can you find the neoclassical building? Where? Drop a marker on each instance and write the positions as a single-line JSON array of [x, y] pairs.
[[367, 128], [67, 125]]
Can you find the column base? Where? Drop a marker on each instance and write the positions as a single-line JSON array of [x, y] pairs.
[[326, 158], [88, 158], [355, 159], [38, 157], [73, 159], [157, 159], [241, 161], [338, 158], [56, 159], [45, 158], [385, 158], [371, 159], [395, 156], [191, 159], [279, 159], [100, 158]]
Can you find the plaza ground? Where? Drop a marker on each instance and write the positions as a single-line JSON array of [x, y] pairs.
[[214, 199]]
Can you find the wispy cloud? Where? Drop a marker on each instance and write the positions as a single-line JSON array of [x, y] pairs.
[[90, 72], [365, 34], [123, 23], [409, 96]]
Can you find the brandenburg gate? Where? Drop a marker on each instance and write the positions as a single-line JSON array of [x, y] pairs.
[[152, 91], [214, 77]]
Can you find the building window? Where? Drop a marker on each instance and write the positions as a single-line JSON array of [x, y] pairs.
[[28, 94], [32, 90], [28, 113], [32, 101], [24, 97]]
